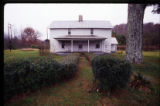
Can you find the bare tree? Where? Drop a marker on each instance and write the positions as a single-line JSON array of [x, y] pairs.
[[30, 36]]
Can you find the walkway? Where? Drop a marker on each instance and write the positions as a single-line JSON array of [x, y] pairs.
[[72, 92]]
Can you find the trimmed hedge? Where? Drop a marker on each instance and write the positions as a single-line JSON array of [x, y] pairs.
[[70, 63], [32, 74], [111, 73]]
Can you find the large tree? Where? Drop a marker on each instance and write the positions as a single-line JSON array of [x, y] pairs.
[[135, 33], [30, 36]]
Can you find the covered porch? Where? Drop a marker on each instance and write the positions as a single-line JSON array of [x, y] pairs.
[[81, 44]]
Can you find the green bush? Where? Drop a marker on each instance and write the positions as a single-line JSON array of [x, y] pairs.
[[30, 74], [35, 46], [121, 39], [111, 73], [70, 65]]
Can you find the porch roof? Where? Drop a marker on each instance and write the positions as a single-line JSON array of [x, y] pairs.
[[80, 37]]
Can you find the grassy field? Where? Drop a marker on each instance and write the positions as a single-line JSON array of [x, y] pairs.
[[17, 54], [76, 91], [150, 69]]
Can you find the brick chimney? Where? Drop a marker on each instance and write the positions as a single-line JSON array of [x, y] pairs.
[[80, 18]]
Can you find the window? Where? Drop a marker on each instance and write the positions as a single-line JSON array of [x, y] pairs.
[[97, 45], [80, 46], [69, 31], [63, 44], [91, 30]]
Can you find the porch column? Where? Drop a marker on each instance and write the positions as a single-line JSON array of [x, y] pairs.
[[71, 45], [102, 45], [88, 46]]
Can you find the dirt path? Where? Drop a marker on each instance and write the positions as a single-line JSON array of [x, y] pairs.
[[75, 92], [72, 92]]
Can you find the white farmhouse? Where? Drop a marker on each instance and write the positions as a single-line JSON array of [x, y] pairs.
[[82, 36]]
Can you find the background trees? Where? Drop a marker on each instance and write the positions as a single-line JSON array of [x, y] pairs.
[[30, 36], [151, 36]]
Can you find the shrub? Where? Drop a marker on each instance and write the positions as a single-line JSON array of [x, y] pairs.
[[35, 46], [43, 51], [121, 39], [112, 73], [29, 74], [70, 65], [141, 83]]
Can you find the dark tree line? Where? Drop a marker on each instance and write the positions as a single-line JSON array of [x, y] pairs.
[[14, 43], [27, 39], [151, 34]]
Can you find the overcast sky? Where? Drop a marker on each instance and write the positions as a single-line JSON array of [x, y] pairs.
[[39, 16]]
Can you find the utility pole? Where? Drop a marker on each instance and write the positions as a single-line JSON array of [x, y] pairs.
[[21, 32], [14, 32], [8, 32], [47, 41], [11, 31], [10, 35], [47, 32]]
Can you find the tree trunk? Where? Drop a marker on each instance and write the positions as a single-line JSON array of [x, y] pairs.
[[135, 33]]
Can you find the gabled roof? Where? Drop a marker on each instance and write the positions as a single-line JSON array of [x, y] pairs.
[[83, 24], [114, 40]]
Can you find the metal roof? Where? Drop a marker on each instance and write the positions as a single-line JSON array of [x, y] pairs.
[[91, 37], [114, 40], [83, 24]]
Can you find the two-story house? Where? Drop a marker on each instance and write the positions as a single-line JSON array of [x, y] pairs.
[[82, 36]]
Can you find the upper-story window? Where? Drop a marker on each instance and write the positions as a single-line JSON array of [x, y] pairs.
[[91, 30], [69, 31]]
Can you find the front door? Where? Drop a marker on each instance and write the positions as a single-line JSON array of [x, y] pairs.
[[80, 47]]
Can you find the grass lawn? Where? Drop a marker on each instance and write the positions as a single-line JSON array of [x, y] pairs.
[[150, 69], [17, 54], [76, 91]]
